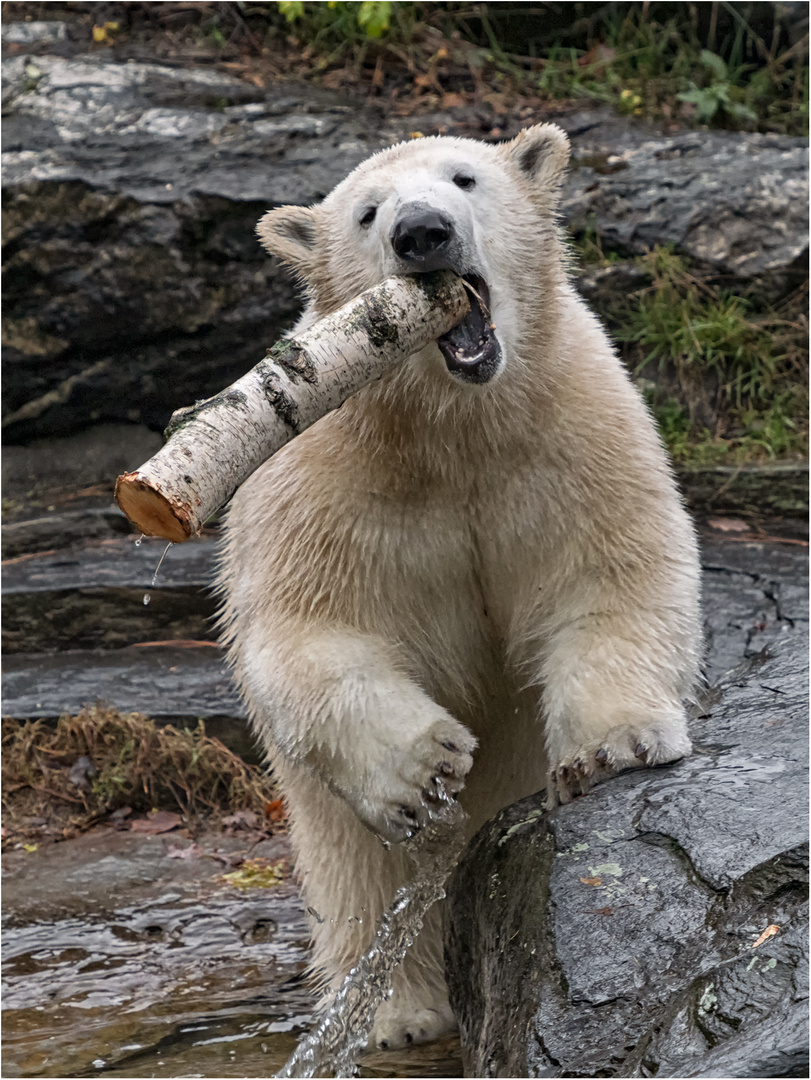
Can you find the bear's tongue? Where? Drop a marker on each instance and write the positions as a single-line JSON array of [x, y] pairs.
[[471, 349]]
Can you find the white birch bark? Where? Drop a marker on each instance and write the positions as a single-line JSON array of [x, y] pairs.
[[215, 445]]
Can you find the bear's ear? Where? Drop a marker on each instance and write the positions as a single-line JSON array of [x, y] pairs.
[[541, 153], [291, 232]]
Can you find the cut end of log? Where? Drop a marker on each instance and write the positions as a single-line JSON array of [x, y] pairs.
[[215, 445], [149, 511]]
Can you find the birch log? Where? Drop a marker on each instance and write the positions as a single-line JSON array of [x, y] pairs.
[[215, 445]]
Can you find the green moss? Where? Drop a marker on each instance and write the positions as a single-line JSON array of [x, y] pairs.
[[725, 375]]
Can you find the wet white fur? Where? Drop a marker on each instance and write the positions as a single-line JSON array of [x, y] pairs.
[[506, 565]]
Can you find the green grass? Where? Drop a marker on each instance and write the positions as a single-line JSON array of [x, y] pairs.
[[739, 65], [658, 61], [725, 376]]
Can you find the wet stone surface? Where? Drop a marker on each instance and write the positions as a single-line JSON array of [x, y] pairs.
[[93, 595], [117, 955], [134, 189], [164, 682], [754, 595], [617, 935], [58, 493]]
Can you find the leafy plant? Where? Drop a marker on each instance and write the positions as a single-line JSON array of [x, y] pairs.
[[718, 95], [292, 9], [371, 16], [374, 17]]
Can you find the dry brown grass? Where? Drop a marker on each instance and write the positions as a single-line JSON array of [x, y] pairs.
[[134, 762]]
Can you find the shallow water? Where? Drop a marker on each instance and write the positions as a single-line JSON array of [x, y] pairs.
[[121, 961], [333, 1046]]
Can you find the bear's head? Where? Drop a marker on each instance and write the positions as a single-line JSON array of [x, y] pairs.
[[485, 211]]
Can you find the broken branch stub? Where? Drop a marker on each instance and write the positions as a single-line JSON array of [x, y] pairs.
[[215, 445]]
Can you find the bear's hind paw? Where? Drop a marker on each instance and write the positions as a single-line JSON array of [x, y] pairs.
[[395, 1028]]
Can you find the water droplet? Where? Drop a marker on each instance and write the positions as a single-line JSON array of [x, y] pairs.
[[147, 598], [157, 568]]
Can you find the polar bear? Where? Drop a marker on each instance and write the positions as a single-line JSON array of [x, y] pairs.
[[478, 571]]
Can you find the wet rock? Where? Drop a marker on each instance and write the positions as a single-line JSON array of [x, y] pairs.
[[134, 280], [105, 619], [736, 204], [51, 529], [755, 595], [764, 489], [106, 594], [82, 772], [117, 957], [59, 491], [114, 563], [44, 469], [618, 936], [33, 33], [166, 681]]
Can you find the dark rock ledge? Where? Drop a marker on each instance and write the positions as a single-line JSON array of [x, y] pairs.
[[134, 282], [616, 936]]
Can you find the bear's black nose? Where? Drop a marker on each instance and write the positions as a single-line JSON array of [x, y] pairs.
[[422, 237]]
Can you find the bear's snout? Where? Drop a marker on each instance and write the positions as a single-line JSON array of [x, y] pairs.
[[422, 237]]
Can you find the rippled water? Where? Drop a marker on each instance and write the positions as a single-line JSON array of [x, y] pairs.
[[119, 961], [169, 975]]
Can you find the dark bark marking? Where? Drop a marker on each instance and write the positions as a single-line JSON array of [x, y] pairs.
[[380, 328], [182, 417], [283, 405], [293, 361]]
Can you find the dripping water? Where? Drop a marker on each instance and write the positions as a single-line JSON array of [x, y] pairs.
[[331, 1048], [147, 597]]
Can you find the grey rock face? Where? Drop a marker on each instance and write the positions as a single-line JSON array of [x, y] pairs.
[[33, 33], [736, 204], [754, 596], [165, 681], [159, 134], [134, 282], [617, 935]]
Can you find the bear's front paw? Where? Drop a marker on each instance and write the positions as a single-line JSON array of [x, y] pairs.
[[418, 781], [626, 746]]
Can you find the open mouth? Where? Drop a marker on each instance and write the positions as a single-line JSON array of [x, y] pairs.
[[471, 349]]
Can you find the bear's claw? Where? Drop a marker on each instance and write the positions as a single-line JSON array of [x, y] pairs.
[[423, 779], [622, 747]]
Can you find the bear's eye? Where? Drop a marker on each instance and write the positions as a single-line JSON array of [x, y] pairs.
[[368, 216], [463, 181]]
